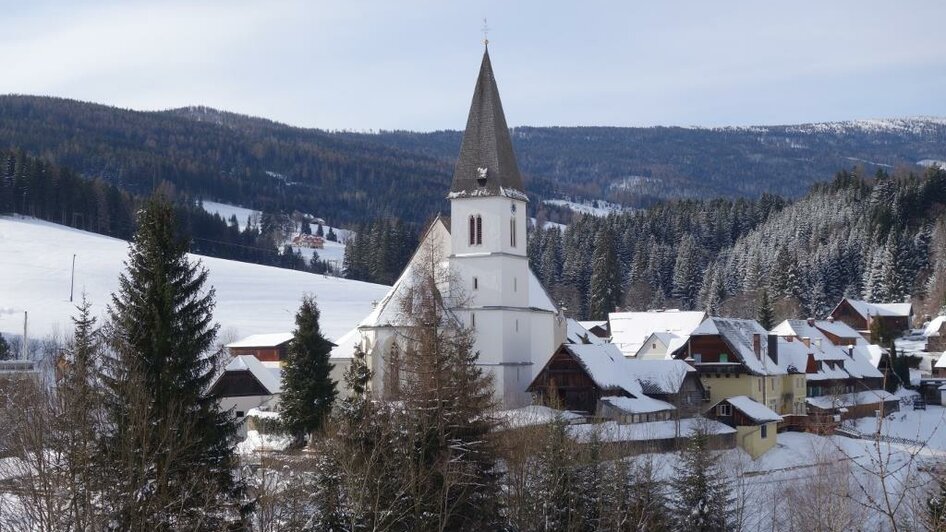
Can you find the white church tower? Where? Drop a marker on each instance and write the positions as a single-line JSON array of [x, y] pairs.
[[488, 240], [516, 325]]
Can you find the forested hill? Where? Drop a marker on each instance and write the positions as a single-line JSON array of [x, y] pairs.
[[355, 177], [877, 238]]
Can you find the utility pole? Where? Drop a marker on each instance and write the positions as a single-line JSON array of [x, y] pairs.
[[25, 350], [72, 280]]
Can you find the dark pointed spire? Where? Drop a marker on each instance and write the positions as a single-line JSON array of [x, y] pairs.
[[486, 165]]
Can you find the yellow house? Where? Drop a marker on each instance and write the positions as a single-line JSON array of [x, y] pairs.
[[756, 425], [736, 357]]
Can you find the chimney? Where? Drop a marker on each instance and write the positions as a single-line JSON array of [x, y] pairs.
[[818, 342], [850, 351], [806, 340], [757, 345], [811, 322], [773, 348], [830, 319]]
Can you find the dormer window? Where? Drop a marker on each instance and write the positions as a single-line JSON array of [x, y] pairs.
[[476, 230], [481, 176]]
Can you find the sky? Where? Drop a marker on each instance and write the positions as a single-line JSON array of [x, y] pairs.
[[371, 65]]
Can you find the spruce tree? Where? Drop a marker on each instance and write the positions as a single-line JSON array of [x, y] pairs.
[[701, 494], [765, 315], [605, 294], [308, 391], [170, 450]]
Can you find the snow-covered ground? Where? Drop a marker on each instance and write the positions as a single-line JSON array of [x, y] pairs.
[[226, 211], [599, 208], [35, 260]]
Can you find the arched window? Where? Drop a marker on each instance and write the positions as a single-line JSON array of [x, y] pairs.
[[472, 230], [479, 229]]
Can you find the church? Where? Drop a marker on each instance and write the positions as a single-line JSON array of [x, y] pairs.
[[516, 325]]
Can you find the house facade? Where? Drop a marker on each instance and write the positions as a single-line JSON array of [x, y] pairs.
[[736, 357], [861, 316], [756, 425]]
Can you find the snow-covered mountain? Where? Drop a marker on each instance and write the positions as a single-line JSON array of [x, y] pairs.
[[36, 259]]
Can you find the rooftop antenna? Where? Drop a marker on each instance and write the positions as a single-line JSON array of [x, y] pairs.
[[485, 33]]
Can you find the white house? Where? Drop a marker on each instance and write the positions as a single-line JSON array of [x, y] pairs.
[[482, 246], [631, 331]]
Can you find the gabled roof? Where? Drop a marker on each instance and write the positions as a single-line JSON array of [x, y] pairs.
[[738, 334], [879, 309], [487, 164], [576, 334], [860, 358], [268, 378], [659, 376], [605, 365], [637, 405], [932, 328], [629, 330], [941, 363], [263, 340], [752, 409]]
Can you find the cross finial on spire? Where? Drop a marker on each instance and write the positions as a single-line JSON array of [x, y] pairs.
[[485, 33]]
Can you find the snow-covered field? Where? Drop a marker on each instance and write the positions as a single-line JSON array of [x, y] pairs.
[[333, 252], [35, 260]]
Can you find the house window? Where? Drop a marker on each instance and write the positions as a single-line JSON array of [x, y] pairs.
[[472, 230], [240, 413], [723, 357], [697, 358], [476, 283], [473, 320], [724, 410], [765, 431], [653, 346], [512, 232]]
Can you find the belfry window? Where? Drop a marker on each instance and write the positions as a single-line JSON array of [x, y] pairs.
[[512, 232], [479, 229], [472, 230]]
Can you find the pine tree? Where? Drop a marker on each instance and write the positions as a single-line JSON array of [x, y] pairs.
[[686, 273], [605, 294], [331, 236], [308, 391], [170, 451], [765, 315], [701, 494], [305, 228], [320, 231]]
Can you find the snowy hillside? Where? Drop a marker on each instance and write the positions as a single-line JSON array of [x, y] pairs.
[[34, 276], [226, 211], [599, 208]]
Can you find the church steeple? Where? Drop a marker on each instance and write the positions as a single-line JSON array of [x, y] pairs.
[[486, 165]]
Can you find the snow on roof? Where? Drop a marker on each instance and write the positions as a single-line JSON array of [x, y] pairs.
[[605, 365], [738, 333], [654, 430], [345, 345], [532, 415], [753, 409], [659, 375], [941, 363], [881, 309], [932, 328], [263, 340], [629, 330], [861, 362], [828, 402], [592, 324], [267, 377], [637, 405], [577, 334], [838, 328]]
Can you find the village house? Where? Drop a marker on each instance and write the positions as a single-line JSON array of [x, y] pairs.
[[756, 425], [840, 368], [308, 241], [935, 335], [271, 347], [861, 315], [576, 333], [247, 383], [735, 357], [631, 332], [597, 328], [597, 380]]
